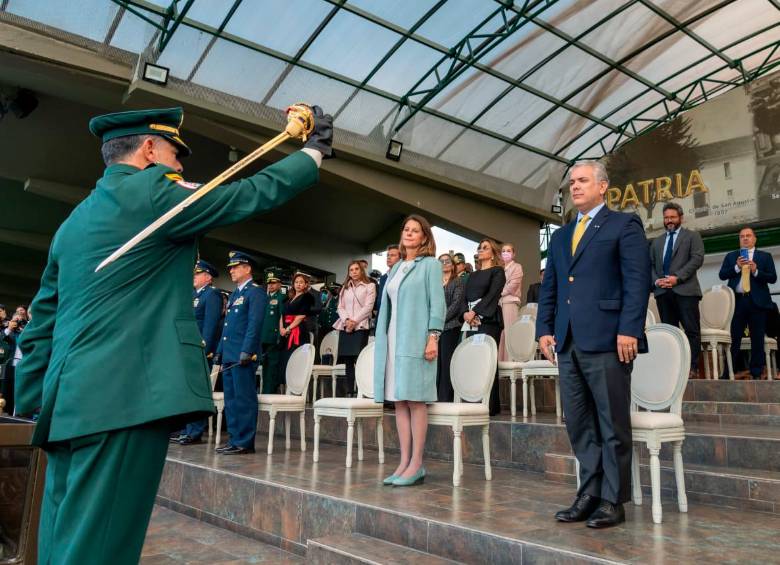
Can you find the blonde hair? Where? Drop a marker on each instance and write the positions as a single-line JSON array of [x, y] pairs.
[[428, 245]]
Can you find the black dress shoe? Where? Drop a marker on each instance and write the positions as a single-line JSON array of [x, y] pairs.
[[607, 515], [188, 440], [584, 505], [235, 450]]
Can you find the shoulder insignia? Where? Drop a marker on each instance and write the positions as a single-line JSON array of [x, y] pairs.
[[274, 302], [255, 285], [178, 179]]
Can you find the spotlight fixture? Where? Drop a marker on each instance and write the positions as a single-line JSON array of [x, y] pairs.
[[156, 74], [394, 150], [556, 209], [233, 155]]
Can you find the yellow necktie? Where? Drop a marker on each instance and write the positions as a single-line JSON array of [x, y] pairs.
[[745, 278], [578, 231]]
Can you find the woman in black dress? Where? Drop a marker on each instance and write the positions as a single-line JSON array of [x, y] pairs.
[[483, 291], [291, 325], [454, 294]]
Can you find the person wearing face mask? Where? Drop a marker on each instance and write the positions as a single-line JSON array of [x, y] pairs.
[[483, 291], [510, 295], [675, 258]]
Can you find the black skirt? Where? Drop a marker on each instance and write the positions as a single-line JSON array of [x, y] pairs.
[[351, 344]]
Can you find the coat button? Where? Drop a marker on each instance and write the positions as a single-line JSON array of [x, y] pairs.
[[568, 301], [571, 279], [224, 339]]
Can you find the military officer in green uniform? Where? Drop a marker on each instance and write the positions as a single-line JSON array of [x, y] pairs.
[[114, 359], [271, 348]]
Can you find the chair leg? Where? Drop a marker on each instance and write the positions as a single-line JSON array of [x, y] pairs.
[[350, 436], [486, 451], [706, 365], [714, 354], [729, 362], [768, 362], [533, 397], [210, 434], [219, 428], [655, 482], [513, 397], [577, 471], [360, 439], [679, 475], [557, 397], [271, 426], [456, 456], [636, 484], [303, 430], [525, 396], [380, 439], [322, 388], [317, 438], [287, 430], [333, 385]]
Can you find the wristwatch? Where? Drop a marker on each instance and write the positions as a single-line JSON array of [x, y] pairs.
[[434, 334]]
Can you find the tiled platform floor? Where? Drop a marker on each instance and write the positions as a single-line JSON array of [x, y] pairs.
[[503, 518], [173, 539]]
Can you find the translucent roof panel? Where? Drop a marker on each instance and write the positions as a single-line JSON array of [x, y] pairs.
[[496, 95]]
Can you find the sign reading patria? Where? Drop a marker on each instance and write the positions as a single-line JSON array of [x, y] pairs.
[[659, 189]]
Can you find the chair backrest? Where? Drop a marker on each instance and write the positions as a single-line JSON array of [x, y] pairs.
[[298, 370], [520, 342], [650, 318], [214, 375], [652, 306], [330, 346], [660, 376], [364, 371], [530, 309], [717, 307], [473, 368]]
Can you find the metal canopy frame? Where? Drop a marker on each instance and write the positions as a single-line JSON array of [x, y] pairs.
[[471, 53]]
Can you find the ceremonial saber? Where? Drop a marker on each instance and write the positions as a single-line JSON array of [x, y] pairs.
[[300, 123]]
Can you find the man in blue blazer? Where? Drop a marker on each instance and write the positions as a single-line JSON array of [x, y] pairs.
[[592, 309], [238, 352], [749, 273]]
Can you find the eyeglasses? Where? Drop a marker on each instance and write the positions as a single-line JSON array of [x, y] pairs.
[[483, 248], [445, 261]]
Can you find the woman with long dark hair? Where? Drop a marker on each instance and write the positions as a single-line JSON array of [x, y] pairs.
[[454, 296], [483, 315], [291, 325], [410, 321], [356, 303]]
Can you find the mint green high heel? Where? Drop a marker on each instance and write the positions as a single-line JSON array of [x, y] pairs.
[[389, 480], [415, 479]]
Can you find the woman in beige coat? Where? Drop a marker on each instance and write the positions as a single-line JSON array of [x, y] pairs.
[[510, 296]]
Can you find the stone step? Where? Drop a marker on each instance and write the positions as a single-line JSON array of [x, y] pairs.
[[357, 549], [761, 392], [718, 412], [732, 487]]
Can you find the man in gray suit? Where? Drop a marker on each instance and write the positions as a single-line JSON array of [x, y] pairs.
[[675, 258]]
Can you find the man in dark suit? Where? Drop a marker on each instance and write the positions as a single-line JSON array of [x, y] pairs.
[[749, 273], [393, 256], [676, 257], [592, 312], [533, 291]]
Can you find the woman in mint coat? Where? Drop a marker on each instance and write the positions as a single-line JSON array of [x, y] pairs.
[[410, 320]]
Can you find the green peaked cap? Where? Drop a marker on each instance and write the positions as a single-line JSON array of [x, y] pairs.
[[164, 122]]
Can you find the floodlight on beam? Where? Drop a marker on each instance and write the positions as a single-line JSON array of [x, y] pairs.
[[394, 150], [156, 74], [556, 209]]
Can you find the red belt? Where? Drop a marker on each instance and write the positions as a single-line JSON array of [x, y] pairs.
[[294, 337]]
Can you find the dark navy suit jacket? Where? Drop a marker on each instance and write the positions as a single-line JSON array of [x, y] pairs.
[[208, 313], [600, 292], [243, 327], [759, 284]]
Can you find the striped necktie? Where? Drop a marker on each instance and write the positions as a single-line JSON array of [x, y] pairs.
[[578, 231]]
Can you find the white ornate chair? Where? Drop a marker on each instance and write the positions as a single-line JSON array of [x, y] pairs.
[[521, 346], [658, 382], [652, 306], [472, 369], [650, 318], [328, 346], [219, 403], [297, 377], [770, 347], [353, 409], [529, 309], [716, 310]]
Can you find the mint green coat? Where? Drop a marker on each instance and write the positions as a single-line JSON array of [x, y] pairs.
[[120, 347], [420, 308]]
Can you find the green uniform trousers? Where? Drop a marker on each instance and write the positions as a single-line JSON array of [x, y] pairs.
[[99, 495], [272, 378]]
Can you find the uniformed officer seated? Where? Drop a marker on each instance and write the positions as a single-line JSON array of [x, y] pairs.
[[207, 304], [238, 352]]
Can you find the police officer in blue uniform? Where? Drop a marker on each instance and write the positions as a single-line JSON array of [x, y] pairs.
[[239, 351], [207, 304]]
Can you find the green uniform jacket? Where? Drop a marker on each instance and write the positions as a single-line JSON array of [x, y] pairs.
[[120, 347], [273, 312]]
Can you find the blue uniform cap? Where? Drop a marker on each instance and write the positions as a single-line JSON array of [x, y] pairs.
[[205, 267], [237, 258]]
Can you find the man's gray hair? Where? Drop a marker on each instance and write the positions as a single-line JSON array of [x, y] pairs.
[[120, 148], [599, 170]]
